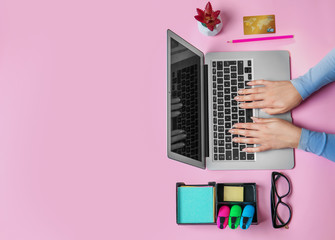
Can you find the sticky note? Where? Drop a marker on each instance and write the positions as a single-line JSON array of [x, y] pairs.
[[233, 194], [195, 205]]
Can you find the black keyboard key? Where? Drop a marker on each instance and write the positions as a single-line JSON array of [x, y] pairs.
[[215, 113], [240, 78], [220, 65], [234, 116], [221, 156], [226, 63], [221, 149], [220, 108], [227, 111], [241, 85], [241, 112], [249, 63], [221, 122], [214, 64], [221, 142], [228, 138], [220, 115], [234, 109], [235, 154], [241, 120], [220, 94], [220, 87], [234, 103], [215, 157], [227, 84], [240, 67], [221, 136], [233, 82], [234, 89], [215, 141], [226, 70], [228, 146], [243, 155], [226, 90], [227, 118], [227, 125], [226, 77], [235, 144], [214, 78], [214, 120], [247, 70], [220, 80], [248, 115], [220, 100], [215, 134], [228, 155], [232, 62], [214, 71], [226, 97], [233, 95], [249, 77], [227, 133], [233, 68], [214, 99], [227, 104], [233, 75], [214, 106], [221, 129], [250, 156], [215, 149], [220, 74], [242, 146]]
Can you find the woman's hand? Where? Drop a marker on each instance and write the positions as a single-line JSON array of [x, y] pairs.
[[271, 133], [274, 98]]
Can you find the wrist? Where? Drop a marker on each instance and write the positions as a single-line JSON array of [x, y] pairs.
[[295, 138]]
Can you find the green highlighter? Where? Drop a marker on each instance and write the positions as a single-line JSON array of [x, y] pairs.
[[234, 216]]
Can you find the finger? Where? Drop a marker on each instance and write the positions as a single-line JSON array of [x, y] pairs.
[[256, 104], [177, 145], [177, 138], [244, 132], [255, 149], [176, 106], [251, 90], [259, 82], [263, 120], [176, 132], [273, 111], [246, 126], [175, 113], [175, 100], [246, 140], [250, 97]]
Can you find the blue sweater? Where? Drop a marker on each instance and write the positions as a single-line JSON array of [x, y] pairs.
[[321, 74]]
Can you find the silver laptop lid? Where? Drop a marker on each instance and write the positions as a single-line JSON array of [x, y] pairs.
[[185, 101]]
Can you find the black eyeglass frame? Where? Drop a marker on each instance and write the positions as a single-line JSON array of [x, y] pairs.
[[274, 206]]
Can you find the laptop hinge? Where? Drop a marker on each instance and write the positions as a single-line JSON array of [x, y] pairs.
[[206, 110]]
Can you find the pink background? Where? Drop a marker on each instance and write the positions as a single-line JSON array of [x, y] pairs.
[[83, 119]]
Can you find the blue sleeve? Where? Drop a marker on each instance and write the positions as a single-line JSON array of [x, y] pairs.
[[318, 76], [319, 143]]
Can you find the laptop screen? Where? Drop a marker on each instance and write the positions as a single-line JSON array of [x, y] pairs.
[[185, 101]]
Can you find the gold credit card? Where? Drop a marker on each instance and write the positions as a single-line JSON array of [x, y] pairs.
[[259, 24]]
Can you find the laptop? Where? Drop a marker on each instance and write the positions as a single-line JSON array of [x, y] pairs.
[[201, 106]]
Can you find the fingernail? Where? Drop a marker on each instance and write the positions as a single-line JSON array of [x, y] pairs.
[[249, 83], [240, 91], [237, 98], [232, 130], [244, 149], [234, 139], [241, 105]]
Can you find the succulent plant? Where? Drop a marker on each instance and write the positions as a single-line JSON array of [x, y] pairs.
[[208, 18]]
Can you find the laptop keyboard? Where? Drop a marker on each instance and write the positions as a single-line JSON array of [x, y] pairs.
[[229, 77]]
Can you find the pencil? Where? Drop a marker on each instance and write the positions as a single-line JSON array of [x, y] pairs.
[[260, 39]]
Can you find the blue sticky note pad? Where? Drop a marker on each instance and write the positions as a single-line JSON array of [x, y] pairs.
[[195, 205]]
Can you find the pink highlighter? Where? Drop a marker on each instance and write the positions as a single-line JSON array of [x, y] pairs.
[[223, 217]]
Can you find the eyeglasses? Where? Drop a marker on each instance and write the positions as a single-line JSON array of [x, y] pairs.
[[281, 212]]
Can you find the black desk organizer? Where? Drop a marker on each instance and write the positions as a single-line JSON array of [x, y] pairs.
[[249, 192]]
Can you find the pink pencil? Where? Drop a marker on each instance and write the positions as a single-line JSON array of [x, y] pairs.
[[259, 39]]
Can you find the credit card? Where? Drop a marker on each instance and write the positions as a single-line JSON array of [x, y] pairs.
[[259, 24]]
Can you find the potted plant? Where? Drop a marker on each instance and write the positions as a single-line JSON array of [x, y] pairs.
[[209, 21]]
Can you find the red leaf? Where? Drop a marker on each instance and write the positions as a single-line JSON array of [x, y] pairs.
[[210, 27], [199, 18], [216, 14], [200, 12], [217, 21], [208, 8]]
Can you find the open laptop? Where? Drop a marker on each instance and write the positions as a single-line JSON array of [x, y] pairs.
[[201, 106]]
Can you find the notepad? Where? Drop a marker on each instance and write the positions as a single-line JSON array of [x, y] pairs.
[[233, 194], [195, 204]]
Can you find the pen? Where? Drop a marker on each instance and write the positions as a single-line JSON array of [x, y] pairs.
[[260, 39]]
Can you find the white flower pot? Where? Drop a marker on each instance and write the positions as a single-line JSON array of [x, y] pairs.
[[204, 30]]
